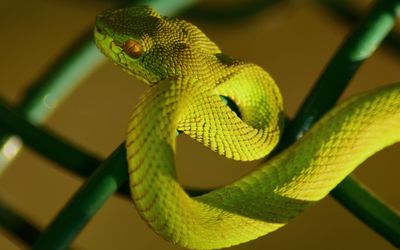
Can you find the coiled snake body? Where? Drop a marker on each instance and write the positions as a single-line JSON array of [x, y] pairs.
[[188, 74]]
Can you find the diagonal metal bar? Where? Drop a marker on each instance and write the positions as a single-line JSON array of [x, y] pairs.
[[341, 9], [44, 142], [100, 186], [354, 51], [55, 148], [17, 226], [80, 60], [361, 43], [85, 203], [369, 208], [65, 75]]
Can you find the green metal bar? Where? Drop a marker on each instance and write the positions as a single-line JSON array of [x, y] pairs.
[[99, 187], [58, 150], [65, 75], [55, 85], [17, 226], [74, 66], [369, 209], [50, 145], [359, 46], [340, 8], [90, 197], [79, 61], [43, 97]]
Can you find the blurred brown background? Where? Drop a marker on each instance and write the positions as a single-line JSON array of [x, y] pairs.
[[292, 40]]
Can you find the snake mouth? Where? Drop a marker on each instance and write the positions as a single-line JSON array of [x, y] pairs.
[[98, 34]]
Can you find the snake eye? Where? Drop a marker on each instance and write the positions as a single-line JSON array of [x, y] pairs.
[[133, 49]]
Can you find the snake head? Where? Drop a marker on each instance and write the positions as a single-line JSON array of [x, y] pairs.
[[150, 46]]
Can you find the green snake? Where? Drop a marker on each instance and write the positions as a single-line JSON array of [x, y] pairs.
[[188, 74]]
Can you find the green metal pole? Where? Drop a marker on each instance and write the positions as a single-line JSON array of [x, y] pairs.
[[354, 51], [58, 150], [100, 186], [86, 202], [51, 89], [63, 77], [341, 9], [16, 225], [369, 208], [361, 43]]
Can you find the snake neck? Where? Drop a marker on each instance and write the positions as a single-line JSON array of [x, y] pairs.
[[209, 70], [150, 150]]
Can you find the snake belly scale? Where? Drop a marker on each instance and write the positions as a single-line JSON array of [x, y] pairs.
[[187, 74]]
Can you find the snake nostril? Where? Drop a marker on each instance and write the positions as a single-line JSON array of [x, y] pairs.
[[231, 104]]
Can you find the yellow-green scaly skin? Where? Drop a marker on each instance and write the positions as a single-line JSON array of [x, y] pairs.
[[188, 74]]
